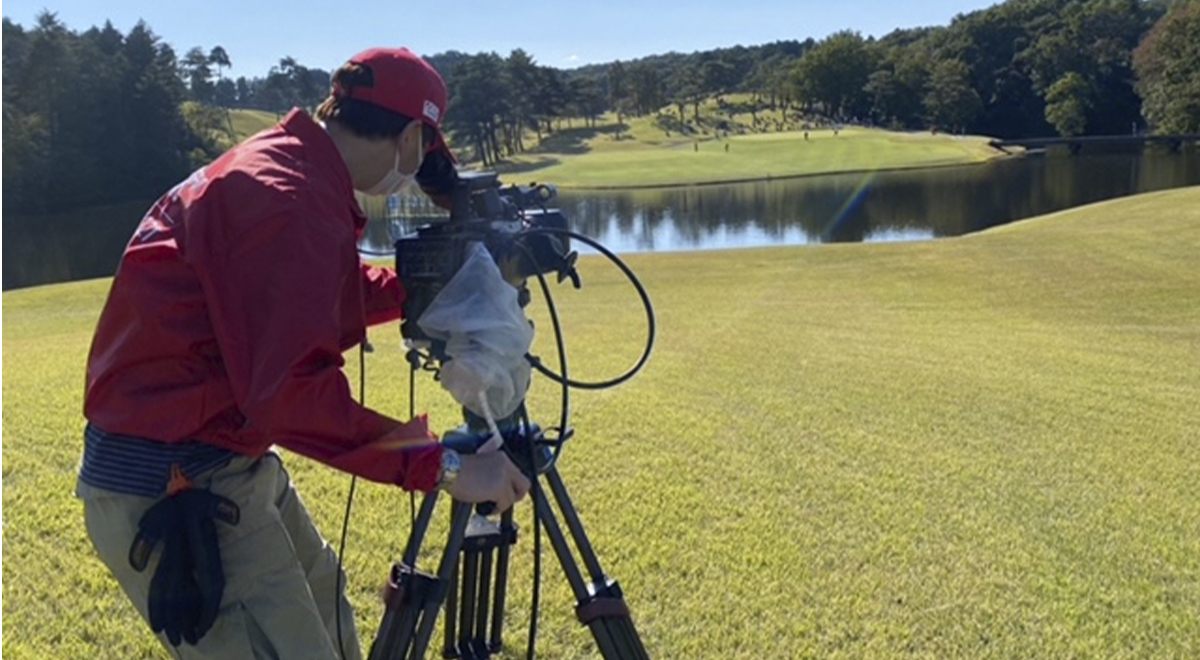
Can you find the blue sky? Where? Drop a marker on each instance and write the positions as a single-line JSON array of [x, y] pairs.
[[561, 34]]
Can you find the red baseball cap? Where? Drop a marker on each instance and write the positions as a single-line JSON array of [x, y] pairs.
[[405, 84]]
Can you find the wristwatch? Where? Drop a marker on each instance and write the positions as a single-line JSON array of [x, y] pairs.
[[451, 466]]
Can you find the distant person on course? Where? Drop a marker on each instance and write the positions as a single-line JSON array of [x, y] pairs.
[[223, 335]]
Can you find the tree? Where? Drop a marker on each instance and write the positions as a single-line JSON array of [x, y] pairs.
[[885, 95], [224, 92], [1067, 103], [289, 84], [199, 75], [623, 108], [553, 97], [218, 58], [59, 86], [618, 84], [897, 88], [27, 162], [522, 73], [1167, 63], [1093, 39], [834, 74], [951, 102], [646, 88], [480, 97], [309, 86], [689, 88], [244, 95], [163, 146], [587, 99], [718, 76]]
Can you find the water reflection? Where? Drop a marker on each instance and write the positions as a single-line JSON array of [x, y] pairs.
[[892, 206], [884, 206]]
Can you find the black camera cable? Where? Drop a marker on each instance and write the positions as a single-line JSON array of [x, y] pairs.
[[564, 428], [337, 594], [535, 492], [564, 433], [646, 304]]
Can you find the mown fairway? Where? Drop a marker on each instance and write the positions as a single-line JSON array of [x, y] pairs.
[[644, 153], [973, 447], [606, 163]]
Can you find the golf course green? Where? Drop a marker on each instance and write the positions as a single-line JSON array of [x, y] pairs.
[[645, 157], [643, 154]]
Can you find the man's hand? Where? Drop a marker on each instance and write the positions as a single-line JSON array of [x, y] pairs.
[[489, 477]]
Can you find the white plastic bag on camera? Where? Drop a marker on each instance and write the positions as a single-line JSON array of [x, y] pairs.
[[486, 335]]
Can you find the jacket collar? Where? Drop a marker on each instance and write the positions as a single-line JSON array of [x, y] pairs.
[[325, 156]]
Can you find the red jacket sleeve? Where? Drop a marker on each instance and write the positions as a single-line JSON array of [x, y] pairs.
[[273, 290], [383, 294]]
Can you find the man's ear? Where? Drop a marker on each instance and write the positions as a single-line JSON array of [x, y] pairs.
[[411, 145], [416, 133]]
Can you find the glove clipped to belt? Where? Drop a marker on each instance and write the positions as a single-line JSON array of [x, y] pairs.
[[186, 590]]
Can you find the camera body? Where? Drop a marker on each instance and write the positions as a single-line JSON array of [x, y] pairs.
[[510, 221]]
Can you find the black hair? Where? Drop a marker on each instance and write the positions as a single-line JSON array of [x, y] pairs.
[[364, 119]]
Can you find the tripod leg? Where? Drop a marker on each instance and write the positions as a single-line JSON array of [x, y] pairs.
[[570, 568], [571, 517], [449, 650], [419, 528], [407, 591], [478, 640], [466, 611], [508, 534], [600, 606], [459, 516]]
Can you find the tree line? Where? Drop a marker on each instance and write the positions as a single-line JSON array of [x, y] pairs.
[[1019, 69], [287, 85], [99, 116], [92, 118]]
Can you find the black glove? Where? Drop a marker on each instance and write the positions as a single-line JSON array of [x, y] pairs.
[[186, 590]]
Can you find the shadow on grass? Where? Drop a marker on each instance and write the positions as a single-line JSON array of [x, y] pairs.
[[574, 140], [509, 167]]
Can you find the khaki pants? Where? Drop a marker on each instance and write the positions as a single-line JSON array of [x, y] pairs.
[[280, 575]]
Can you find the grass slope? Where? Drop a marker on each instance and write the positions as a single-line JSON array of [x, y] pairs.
[[646, 155], [248, 122], [972, 447]]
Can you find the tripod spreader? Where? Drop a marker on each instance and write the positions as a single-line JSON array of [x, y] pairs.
[[474, 586], [475, 612]]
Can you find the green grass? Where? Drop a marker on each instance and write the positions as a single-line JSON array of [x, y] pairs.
[[974, 447], [248, 122], [645, 155], [231, 125], [580, 157]]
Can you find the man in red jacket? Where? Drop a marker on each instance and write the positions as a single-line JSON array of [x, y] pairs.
[[223, 335]]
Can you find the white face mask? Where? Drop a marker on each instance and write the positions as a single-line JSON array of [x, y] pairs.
[[394, 182]]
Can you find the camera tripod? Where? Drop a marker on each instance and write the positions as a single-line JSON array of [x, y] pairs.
[[475, 585], [526, 239]]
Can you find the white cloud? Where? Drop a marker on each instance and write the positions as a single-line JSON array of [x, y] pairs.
[[572, 58]]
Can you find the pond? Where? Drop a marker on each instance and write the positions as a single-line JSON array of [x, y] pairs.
[[878, 206], [874, 206]]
